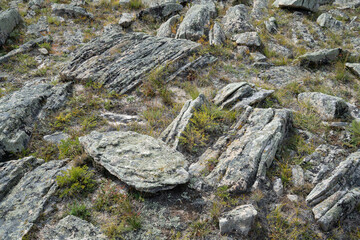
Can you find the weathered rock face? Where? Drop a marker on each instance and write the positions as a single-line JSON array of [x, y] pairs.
[[172, 133], [168, 28], [19, 110], [343, 4], [126, 20], [70, 11], [328, 21], [271, 25], [320, 57], [282, 75], [328, 107], [217, 36], [237, 20], [140, 161], [196, 23], [72, 227], [28, 189], [160, 12], [354, 68], [338, 195], [240, 95], [252, 150], [119, 61], [9, 19], [250, 39], [239, 220], [311, 5]]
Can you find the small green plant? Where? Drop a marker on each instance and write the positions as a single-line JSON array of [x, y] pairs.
[[76, 181], [355, 133], [69, 148], [135, 4], [45, 45], [80, 210]]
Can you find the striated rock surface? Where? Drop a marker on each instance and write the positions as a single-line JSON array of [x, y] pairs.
[[237, 20], [217, 36], [310, 5], [119, 61], [140, 161], [9, 19], [320, 57], [160, 12], [168, 28]]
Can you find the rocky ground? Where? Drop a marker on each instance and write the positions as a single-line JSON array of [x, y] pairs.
[[164, 119]]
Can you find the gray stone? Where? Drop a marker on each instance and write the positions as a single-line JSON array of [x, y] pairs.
[[36, 4], [126, 20], [9, 19], [39, 28], [72, 227], [140, 161], [327, 20], [337, 196], [297, 176], [278, 187], [354, 68], [160, 12], [24, 203], [196, 23], [175, 130], [283, 75], [292, 197], [239, 220], [217, 36], [311, 5], [43, 51], [328, 107], [346, 4], [70, 11], [237, 20], [280, 50], [252, 150], [120, 62], [168, 28], [271, 25], [250, 39], [260, 9], [258, 57], [120, 119], [56, 138], [320, 57]]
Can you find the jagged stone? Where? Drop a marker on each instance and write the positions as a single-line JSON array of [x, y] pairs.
[[9, 19], [240, 95], [297, 176], [160, 12], [196, 23], [260, 9], [120, 62], [237, 20], [24, 203], [175, 130], [252, 150], [70, 11], [217, 36], [250, 39], [140, 161], [271, 25], [168, 28], [72, 227], [239, 220], [320, 57], [326, 20], [278, 187], [126, 20], [311, 5], [39, 28], [19, 111], [328, 107], [337, 196], [354, 68]]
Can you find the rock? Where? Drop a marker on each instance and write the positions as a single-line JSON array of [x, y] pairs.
[[25, 201], [280, 50], [240, 95], [328, 107], [56, 137], [168, 28], [9, 19], [43, 51], [252, 150], [160, 12], [140, 161], [120, 62], [19, 111], [297, 176], [36, 4], [320, 57], [337, 196], [283, 75], [120, 119], [217, 36], [237, 20], [346, 4], [278, 187], [250, 39], [196, 23], [292, 197], [260, 9], [70, 11], [239, 220], [326, 20], [310, 5], [39, 28], [72, 227], [258, 57], [126, 20], [271, 25], [354, 68], [175, 130]]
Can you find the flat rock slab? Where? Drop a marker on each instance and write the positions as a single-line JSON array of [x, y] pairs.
[[280, 76], [160, 12], [70, 11], [320, 57], [9, 19], [310, 5], [120, 62], [23, 204], [140, 161]]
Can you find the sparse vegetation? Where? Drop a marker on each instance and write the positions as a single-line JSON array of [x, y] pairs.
[[80, 210]]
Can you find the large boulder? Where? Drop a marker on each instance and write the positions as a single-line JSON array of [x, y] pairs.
[[337, 196], [20, 110], [328, 107], [141, 161], [320, 57], [29, 185], [70, 11], [196, 23], [120, 62], [9, 19], [237, 20], [310, 5], [328, 21]]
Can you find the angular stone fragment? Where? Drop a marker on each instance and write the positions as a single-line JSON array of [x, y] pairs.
[[9, 19], [160, 12], [168, 28], [354, 68], [337, 196], [278, 187], [250, 39], [126, 20], [320, 57], [172, 133], [120, 62], [328, 21], [328, 107], [140, 161], [311, 5], [70, 11], [252, 150], [271, 25], [237, 20], [72, 227], [24, 203], [217, 36], [56, 137], [297, 176], [239, 220]]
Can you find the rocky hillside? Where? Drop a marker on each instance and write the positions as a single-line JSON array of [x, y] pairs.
[[164, 119]]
